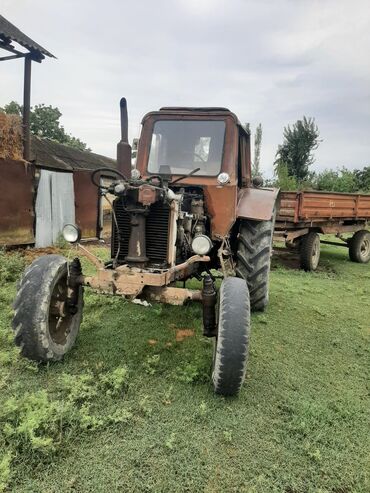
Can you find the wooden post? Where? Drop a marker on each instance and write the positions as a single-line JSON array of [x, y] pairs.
[[26, 107]]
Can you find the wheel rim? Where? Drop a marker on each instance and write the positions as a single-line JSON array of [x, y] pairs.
[[365, 248], [59, 318], [316, 252]]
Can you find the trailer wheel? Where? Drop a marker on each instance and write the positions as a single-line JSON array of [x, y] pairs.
[[45, 330], [359, 247], [231, 346], [253, 261], [310, 251]]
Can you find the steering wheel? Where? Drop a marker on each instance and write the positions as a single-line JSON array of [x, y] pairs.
[[111, 170]]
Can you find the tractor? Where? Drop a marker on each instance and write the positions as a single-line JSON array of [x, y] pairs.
[[189, 208]]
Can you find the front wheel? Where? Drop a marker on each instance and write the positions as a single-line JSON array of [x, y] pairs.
[[232, 341], [45, 328]]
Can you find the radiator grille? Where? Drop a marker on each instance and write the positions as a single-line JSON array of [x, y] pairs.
[[157, 225]]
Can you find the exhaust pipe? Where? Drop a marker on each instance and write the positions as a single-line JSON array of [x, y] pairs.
[[123, 147], [124, 120]]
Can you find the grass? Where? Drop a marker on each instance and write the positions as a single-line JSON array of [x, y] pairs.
[[131, 407]]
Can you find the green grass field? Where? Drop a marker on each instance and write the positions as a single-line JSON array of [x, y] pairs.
[[131, 408]]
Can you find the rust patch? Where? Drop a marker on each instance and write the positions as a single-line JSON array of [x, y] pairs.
[[16, 203], [182, 334]]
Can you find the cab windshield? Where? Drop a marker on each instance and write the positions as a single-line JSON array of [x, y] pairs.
[[180, 146]]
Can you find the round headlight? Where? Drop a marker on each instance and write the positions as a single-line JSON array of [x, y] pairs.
[[135, 174], [223, 178], [71, 233], [201, 245]]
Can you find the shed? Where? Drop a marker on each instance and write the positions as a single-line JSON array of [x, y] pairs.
[[65, 193]]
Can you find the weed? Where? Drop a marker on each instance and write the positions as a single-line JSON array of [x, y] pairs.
[[145, 406], [11, 266], [188, 373], [5, 462], [114, 382], [170, 442], [60, 242], [79, 388], [151, 364]]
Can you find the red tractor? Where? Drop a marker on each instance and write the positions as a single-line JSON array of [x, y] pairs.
[[189, 209]]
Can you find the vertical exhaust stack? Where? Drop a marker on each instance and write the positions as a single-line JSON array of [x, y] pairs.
[[123, 147]]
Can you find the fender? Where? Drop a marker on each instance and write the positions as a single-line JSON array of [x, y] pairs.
[[256, 203]]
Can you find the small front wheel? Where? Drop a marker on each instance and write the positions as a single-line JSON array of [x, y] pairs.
[[232, 341], [45, 327], [359, 247]]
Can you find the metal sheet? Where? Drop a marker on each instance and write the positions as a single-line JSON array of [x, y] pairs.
[[87, 204], [256, 203], [54, 206], [16, 203]]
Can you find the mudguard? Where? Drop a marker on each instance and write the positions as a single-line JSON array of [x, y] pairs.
[[256, 203]]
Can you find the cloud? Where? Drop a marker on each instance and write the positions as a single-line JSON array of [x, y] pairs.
[[269, 61]]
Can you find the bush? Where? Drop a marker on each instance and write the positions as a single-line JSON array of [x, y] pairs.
[[12, 265], [342, 180]]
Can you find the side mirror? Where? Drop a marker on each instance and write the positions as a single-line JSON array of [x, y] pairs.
[[257, 181]]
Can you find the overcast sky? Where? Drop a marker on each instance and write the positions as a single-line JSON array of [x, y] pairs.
[[269, 61]]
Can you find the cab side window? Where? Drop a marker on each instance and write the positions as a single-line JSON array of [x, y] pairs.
[[244, 161]]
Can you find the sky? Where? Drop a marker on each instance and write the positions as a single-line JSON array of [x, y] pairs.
[[269, 61]]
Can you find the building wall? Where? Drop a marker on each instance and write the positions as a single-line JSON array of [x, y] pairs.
[[16, 202]]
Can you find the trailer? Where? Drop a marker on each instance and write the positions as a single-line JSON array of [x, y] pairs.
[[302, 216]]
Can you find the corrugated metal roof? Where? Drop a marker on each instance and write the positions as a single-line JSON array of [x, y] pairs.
[[46, 153], [8, 32]]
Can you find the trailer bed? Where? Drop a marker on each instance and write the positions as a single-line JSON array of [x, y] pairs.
[[302, 216], [315, 206]]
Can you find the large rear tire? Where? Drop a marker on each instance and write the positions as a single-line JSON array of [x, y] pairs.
[[359, 247], [232, 341], [310, 251], [253, 261], [44, 328]]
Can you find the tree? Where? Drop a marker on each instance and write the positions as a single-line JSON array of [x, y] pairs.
[[44, 122], [362, 177], [300, 141], [340, 180], [282, 178], [257, 151]]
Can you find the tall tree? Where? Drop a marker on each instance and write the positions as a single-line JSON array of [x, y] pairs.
[[44, 122], [257, 151], [296, 152]]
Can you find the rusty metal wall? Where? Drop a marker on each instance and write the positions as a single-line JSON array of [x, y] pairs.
[[87, 204], [16, 203]]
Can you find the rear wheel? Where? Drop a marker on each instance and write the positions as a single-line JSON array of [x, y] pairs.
[[310, 251], [254, 258], [359, 247], [231, 347], [45, 329]]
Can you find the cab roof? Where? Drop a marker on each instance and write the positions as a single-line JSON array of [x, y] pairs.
[[201, 110]]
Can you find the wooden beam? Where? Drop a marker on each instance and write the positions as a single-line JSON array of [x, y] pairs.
[[9, 47], [26, 107], [12, 57]]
